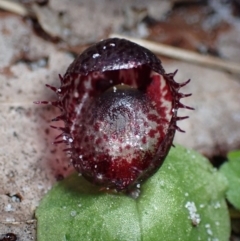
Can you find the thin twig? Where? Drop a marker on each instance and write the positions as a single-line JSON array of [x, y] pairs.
[[14, 7], [186, 55]]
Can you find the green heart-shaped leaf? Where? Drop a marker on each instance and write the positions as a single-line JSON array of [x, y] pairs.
[[184, 200], [231, 170]]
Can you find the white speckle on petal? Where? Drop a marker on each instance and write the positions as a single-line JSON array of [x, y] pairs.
[[96, 55], [99, 176], [76, 94]]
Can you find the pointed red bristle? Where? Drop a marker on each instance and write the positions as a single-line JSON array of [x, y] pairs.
[[64, 129], [58, 118], [60, 135], [175, 72], [181, 95], [39, 102], [180, 105], [54, 127], [61, 78], [67, 150], [178, 118], [60, 142], [178, 128], [171, 75], [184, 83], [51, 87]]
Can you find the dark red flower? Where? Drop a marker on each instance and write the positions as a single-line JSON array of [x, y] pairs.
[[120, 113]]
